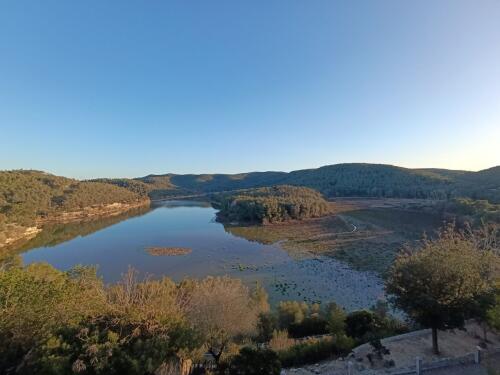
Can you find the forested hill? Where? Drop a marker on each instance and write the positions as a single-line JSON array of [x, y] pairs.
[[271, 204], [369, 180], [29, 195]]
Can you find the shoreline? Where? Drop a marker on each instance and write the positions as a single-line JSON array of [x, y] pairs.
[[21, 234]]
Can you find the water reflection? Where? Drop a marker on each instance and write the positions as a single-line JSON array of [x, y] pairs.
[[116, 243]]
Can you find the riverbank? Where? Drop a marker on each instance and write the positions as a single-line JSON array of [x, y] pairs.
[[13, 235]]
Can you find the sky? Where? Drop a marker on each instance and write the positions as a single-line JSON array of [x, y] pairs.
[[126, 88]]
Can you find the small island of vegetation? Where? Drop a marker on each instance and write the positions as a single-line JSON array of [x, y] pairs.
[[271, 205], [169, 251]]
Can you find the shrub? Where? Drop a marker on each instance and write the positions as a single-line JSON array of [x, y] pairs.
[[315, 350], [109, 346], [360, 324], [266, 325], [310, 326], [255, 362], [280, 341]]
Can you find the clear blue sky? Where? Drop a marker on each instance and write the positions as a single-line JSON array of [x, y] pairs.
[[127, 88]]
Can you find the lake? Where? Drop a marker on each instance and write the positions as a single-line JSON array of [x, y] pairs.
[[115, 244]]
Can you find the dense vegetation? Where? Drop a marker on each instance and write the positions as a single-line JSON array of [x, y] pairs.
[[368, 180], [28, 195], [54, 322], [271, 205]]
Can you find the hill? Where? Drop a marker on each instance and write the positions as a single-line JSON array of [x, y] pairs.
[[271, 205], [27, 197], [356, 179]]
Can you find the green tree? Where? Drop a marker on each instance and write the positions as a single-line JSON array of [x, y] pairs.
[[336, 318], [443, 283]]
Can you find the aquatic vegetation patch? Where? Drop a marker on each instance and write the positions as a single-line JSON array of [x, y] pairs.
[[168, 251]]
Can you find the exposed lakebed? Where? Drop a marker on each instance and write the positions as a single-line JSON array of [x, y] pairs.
[[117, 245]]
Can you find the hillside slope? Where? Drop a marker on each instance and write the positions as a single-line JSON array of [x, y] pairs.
[[356, 179], [27, 197]]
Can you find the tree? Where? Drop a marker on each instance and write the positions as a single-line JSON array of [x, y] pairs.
[[444, 283], [336, 318], [221, 309], [255, 362], [36, 299], [361, 323]]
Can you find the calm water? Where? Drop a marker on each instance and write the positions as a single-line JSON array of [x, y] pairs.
[[114, 245]]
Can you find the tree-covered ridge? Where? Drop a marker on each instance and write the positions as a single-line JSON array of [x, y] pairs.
[[28, 195], [355, 179], [272, 204], [373, 180], [155, 187]]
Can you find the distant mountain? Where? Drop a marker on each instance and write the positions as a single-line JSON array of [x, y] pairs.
[[28, 195], [356, 179]]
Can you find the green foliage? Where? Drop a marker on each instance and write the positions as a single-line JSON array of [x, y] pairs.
[[314, 350], [255, 362], [272, 205], [336, 318], [266, 325], [368, 325], [493, 313], [445, 282], [106, 345], [54, 322], [28, 195], [363, 323], [300, 320], [36, 300]]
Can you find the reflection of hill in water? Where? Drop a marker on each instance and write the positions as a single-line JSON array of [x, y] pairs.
[[55, 234]]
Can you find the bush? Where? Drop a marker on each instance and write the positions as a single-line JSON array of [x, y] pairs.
[[108, 346], [280, 341], [266, 325], [315, 350], [310, 326], [360, 324], [255, 362]]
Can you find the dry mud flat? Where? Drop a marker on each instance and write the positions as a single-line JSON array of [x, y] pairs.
[[365, 233]]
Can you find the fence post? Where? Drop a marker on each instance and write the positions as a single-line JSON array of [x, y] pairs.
[[418, 365], [349, 368], [477, 355]]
